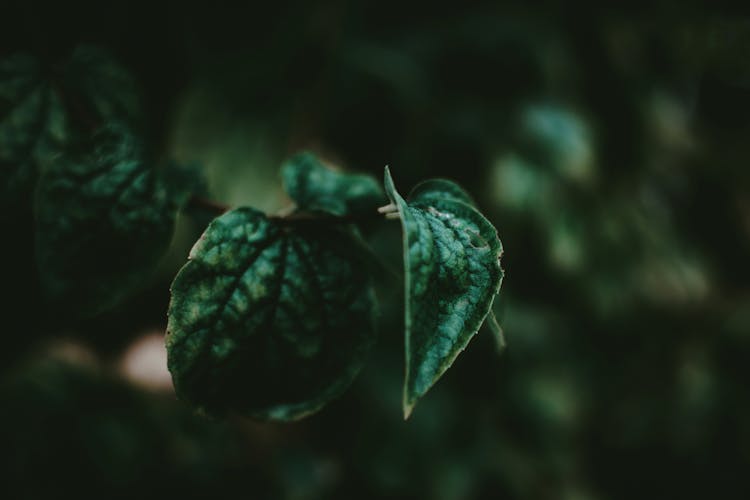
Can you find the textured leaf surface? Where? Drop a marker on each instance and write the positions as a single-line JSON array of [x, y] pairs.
[[315, 187], [441, 190], [104, 219], [452, 273], [266, 321], [37, 108]]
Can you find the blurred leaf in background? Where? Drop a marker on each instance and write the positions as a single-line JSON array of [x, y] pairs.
[[609, 146]]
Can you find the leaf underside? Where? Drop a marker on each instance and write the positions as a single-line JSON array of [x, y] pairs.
[[452, 273], [266, 321]]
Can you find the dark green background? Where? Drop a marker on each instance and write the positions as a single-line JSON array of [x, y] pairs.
[[608, 146]]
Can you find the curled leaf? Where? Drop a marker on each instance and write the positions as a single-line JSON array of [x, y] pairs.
[[268, 321], [452, 273]]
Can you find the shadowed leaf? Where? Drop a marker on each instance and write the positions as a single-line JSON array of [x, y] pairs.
[[43, 109], [103, 220]]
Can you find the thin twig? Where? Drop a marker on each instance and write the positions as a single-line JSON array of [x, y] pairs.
[[298, 218], [321, 218], [208, 205]]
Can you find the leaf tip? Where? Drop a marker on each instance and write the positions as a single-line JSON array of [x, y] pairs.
[[390, 186], [408, 408], [387, 174], [409, 401]]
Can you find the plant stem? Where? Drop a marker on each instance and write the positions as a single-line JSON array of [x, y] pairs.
[[295, 217], [207, 205], [321, 218], [76, 108]]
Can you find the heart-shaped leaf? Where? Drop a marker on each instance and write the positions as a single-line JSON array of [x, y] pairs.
[[452, 273], [268, 320], [315, 187], [104, 218]]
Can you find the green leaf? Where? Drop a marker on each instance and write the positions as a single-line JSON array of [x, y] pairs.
[[267, 320], [315, 187], [30, 119], [451, 272], [439, 189], [103, 220], [43, 109]]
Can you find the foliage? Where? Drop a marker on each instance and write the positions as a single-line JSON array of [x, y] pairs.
[[261, 298], [281, 299], [452, 263], [36, 105], [314, 187], [609, 145], [259, 302], [104, 218]]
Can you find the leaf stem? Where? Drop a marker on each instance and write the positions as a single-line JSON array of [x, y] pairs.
[[207, 205], [322, 218], [296, 217]]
